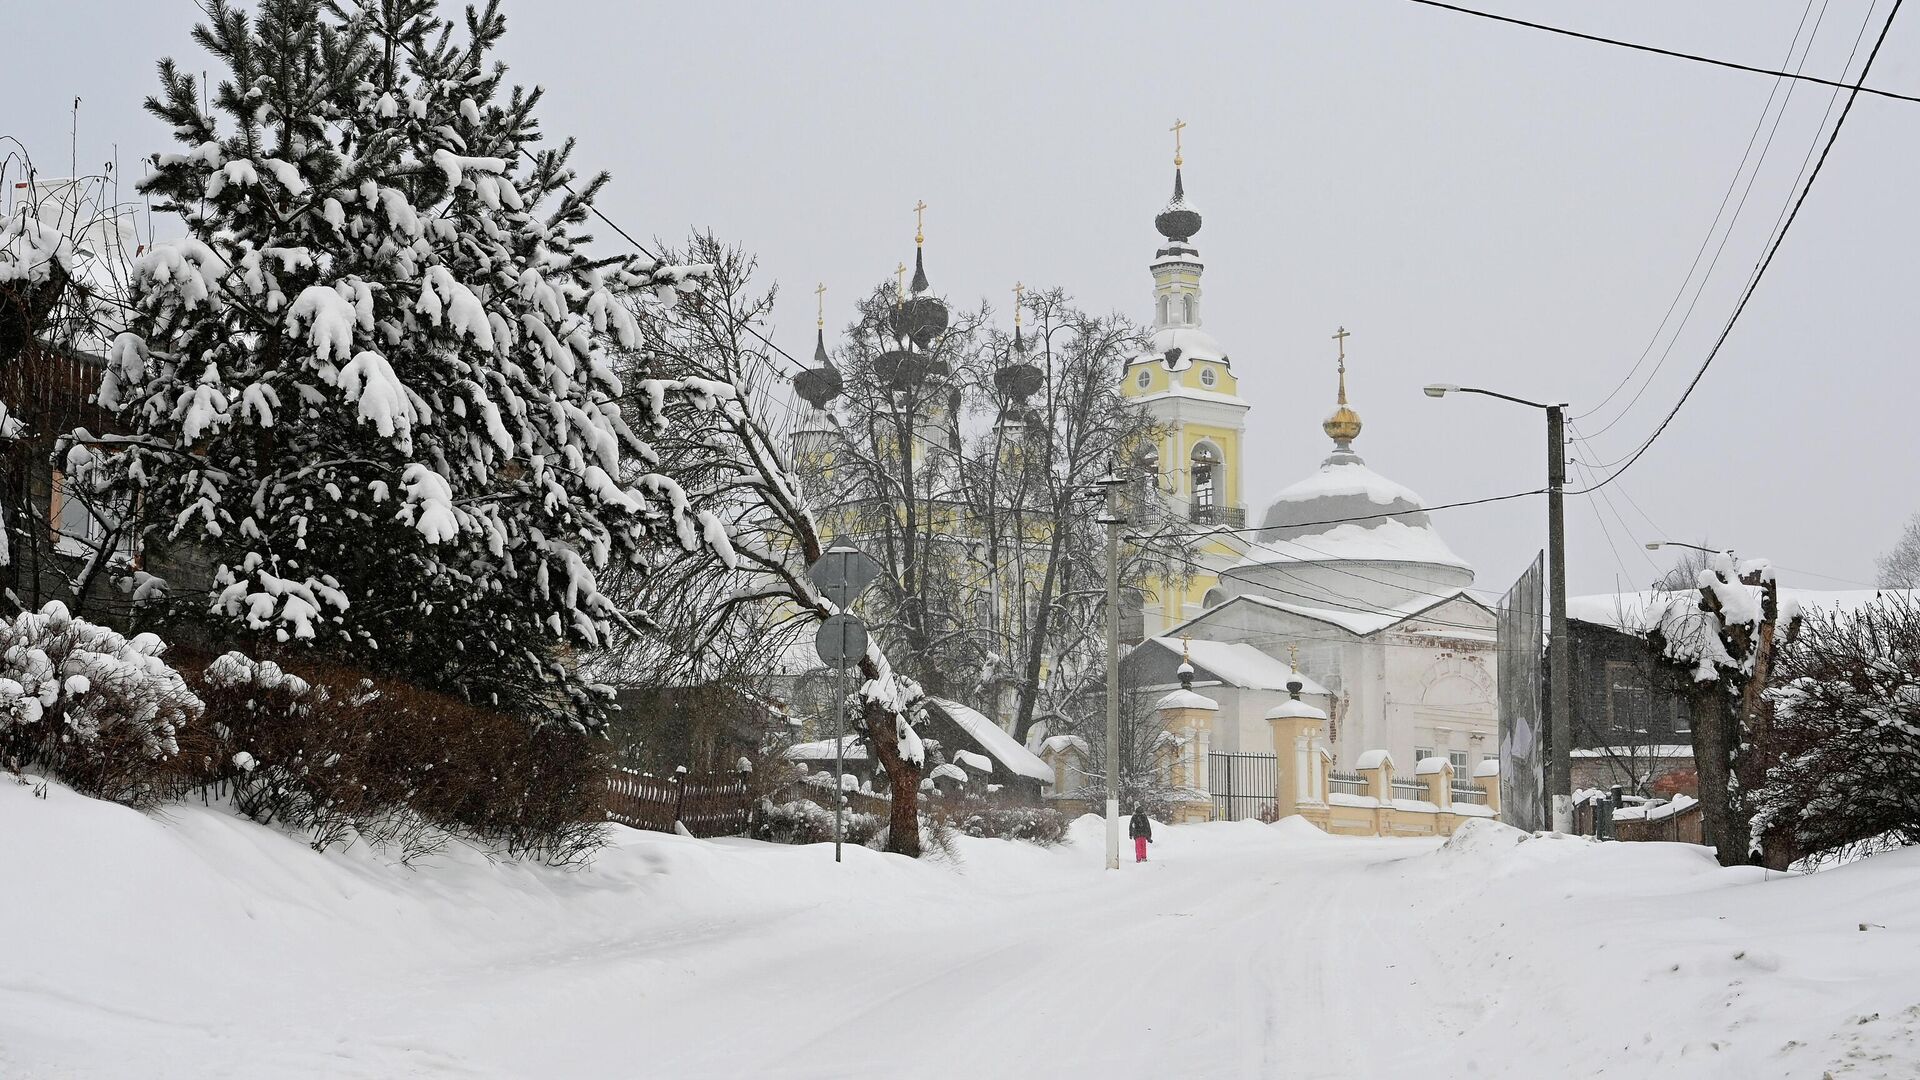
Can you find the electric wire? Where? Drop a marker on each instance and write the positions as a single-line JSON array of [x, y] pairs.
[[1674, 53], [1766, 263]]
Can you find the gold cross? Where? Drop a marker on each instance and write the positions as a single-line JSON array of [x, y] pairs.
[[1186, 651], [1342, 337], [1293, 656], [820, 306], [901, 273], [1018, 290], [920, 221], [1177, 125]]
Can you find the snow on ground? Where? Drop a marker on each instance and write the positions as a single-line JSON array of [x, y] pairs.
[[198, 945]]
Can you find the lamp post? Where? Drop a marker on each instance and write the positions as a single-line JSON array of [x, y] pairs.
[[1559, 778], [1113, 518]]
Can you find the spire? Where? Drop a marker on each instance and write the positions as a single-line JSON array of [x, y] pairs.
[[1343, 426], [1178, 222], [920, 284]]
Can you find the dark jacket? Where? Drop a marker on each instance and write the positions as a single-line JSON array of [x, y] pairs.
[[1139, 827]]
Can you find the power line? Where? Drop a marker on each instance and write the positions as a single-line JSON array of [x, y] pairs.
[[1674, 53], [1719, 212], [1760, 272], [1237, 529]]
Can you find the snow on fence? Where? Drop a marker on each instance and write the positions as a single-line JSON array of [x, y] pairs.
[[704, 805]]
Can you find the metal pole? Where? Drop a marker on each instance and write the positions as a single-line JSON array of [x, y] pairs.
[[1559, 647], [1113, 677], [839, 748]]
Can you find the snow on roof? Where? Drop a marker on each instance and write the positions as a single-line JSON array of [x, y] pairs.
[[822, 750], [1427, 766], [1237, 663], [1336, 479], [949, 772], [1656, 811], [1487, 767], [973, 761], [1650, 750], [1299, 525], [995, 741], [1634, 612], [1382, 540], [1187, 699], [1060, 744], [1193, 343], [1292, 708], [1373, 759], [1358, 622]]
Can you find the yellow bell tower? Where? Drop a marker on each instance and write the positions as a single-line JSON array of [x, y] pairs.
[[1187, 384]]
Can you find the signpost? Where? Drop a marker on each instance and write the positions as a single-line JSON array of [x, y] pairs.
[[842, 573]]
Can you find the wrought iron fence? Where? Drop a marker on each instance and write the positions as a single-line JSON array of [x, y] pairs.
[[1469, 794], [1347, 783], [1409, 789], [1242, 784]]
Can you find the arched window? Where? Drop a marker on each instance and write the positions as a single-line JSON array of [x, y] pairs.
[[1186, 309], [1206, 479], [1146, 478], [1165, 306], [1214, 598]]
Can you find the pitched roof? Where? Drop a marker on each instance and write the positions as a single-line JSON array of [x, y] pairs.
[[1237, 663], [992, 738]]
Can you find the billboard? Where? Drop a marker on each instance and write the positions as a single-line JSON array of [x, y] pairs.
[[1522, 720]]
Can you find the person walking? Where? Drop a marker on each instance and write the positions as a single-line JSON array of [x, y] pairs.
[[1142, 832]]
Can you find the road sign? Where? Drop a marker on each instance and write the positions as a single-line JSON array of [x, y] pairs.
[[841, 641], [843, 573]]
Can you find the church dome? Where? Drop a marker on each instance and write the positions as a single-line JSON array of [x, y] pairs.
[[1178, 222]]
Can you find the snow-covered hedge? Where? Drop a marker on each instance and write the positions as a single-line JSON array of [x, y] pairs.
[[100, 710], [804, 821]]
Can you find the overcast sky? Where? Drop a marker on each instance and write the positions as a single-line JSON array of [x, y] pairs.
[[1477, 203]]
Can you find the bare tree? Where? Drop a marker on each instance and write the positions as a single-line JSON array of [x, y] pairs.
[[1900, 567]]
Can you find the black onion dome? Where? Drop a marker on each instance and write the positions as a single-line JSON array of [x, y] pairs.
[[1017, 381], [1178, 222], [821, 383], [903, 369], [919, 272]]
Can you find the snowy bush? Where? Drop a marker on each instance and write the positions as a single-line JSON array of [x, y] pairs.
[[373, 382], [102, 711], [804, 821], [999, 819], [345, 757], [1846, 731]]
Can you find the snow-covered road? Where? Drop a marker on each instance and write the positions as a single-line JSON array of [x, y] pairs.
[[203, 946]]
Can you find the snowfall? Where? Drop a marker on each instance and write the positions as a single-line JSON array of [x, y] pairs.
[[197, 944]]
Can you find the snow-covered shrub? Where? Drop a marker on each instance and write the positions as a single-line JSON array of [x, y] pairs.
[[343, 756], [804, 821], [100, 710], [1845, 737], [373, 383], [999, 819]]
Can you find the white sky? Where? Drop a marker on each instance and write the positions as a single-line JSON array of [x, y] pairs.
[[1479, 204]]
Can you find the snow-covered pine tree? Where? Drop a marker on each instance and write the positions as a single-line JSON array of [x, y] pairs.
[[371, 382]]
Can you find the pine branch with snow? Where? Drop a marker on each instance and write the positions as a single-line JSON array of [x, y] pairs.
[[373, 381]]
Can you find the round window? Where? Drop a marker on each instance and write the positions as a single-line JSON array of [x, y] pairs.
[[1143, 379], [1206, 376]]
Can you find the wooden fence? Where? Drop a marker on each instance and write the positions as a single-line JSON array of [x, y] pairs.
[[705, 805]]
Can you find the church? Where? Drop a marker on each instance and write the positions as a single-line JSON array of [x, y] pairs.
[[1340, 581]]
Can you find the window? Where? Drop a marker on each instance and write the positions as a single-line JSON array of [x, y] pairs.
[[1186, 309], [1207, 377], [1459, 759], [1165, 307], [1141, 380], [77, 529], [1422, 753], [1206, 466]]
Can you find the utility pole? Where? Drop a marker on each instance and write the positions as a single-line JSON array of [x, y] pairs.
[[1559, 648], [1112, 519]]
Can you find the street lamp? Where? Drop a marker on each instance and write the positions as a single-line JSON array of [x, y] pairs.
[[1559, 778], [1656, 545]]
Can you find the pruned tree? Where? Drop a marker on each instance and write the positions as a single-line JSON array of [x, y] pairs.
[[1722, 637], [372, 386]]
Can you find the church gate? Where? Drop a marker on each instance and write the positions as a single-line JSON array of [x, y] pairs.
[[1242, 785]]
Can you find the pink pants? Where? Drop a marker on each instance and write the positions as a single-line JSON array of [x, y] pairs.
[[1139, 849]]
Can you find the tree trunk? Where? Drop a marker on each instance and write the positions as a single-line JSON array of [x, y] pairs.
[[903, 780], [1711, 757]]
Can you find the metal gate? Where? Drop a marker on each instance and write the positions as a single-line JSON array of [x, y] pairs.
[[1242, 785]]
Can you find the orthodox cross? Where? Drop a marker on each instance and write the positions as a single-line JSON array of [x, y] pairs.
[[820, 306], [1293, 656], [1186, 649], [1018, 290], [1177, 125], [1341, 336], [900, 272], [920, 221]]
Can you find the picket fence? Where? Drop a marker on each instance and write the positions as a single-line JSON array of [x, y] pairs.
[[705, 805]]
